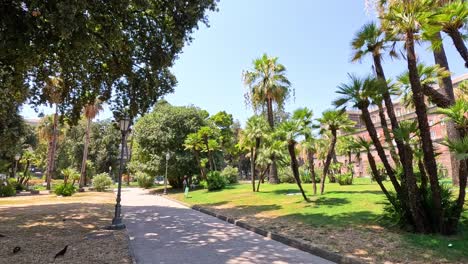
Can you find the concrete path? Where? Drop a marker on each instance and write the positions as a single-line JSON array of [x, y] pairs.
[[163, 231]]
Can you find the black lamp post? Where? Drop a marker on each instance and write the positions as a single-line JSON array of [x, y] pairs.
[[124, 124]]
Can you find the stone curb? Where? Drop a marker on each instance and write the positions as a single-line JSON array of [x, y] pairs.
[[328, 255]]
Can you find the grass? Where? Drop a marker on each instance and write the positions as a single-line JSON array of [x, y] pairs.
[[42, 225], [344, 219]]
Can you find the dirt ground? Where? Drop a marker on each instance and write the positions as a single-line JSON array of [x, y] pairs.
[[41, 226]]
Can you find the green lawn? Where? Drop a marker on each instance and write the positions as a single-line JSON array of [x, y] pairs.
[[345, 219]]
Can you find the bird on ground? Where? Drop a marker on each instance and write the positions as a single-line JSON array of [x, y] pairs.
[[61, 252], [16, 250]]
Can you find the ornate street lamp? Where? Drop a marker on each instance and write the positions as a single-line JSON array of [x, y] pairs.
[[17, 158], [168, 156], [124, 124]]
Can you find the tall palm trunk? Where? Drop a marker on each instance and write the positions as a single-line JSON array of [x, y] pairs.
[[85, 154], [447, 86], [388, 137], [210, 156], [378, 178], [252, 167], [427, 148], [295, 167], [262, 176], [326, 166], [52, 148], [310, 159], [378, 146], [459, 44], [273, 168]]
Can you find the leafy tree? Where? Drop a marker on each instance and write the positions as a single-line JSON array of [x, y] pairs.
[[268, 86], [333, 121], [165, 130], [80, 43]]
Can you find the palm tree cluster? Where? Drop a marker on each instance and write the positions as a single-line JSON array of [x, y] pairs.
[[418, 193]]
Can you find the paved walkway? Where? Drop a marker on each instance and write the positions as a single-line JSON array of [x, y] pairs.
[[162, 231]]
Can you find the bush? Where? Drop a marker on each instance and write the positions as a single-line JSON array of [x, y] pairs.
[[304, 174], [16, 185], [204, 184], [231, 174], [215, 181], [144, 179], [345, 179], [65, 189], [285, 175], [7, 190], [101, 182]]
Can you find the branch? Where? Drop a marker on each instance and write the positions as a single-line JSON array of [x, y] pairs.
[[438, 98]]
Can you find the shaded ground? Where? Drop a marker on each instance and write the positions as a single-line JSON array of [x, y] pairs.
[[344, 220], [43, 225]]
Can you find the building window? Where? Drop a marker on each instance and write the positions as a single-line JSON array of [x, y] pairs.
[[433, 134], [431, 122], [398, 112]]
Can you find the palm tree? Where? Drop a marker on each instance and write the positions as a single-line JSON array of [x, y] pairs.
[[210, 144], [304, 115], [372, 39], [333, 121], [53, 93], [450, 17], [268, 86], [194, 143], [289, 131], [256, 129], [404, 18], [90, 112], [356, 93]]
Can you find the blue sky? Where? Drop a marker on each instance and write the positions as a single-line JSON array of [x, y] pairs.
[[311, 38]]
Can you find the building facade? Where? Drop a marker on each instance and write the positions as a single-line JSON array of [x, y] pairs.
[[438, 133]]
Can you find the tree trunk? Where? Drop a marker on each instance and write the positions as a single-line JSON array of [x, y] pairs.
[[388, 137], [273, 169], [447, 86], [377, 177], [452, 223], [428, 150], [326, 166], [378, 146], [420, 220], [424, 179], [310, 158], [262, 177], [53, 145], [85, 154], [459, 44], [210, 157], [197, 158], [294, 167], [252, 168]]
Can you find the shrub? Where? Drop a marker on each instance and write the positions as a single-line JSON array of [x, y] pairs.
[[16, 185], [204, 184], [7, 190], [304, 174], [285, 175], [215, 181], [144, 179], [345, 179], [101, 182], [231, 174], [65, 189]]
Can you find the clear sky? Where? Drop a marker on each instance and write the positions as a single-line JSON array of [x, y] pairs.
[[311, 38]]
